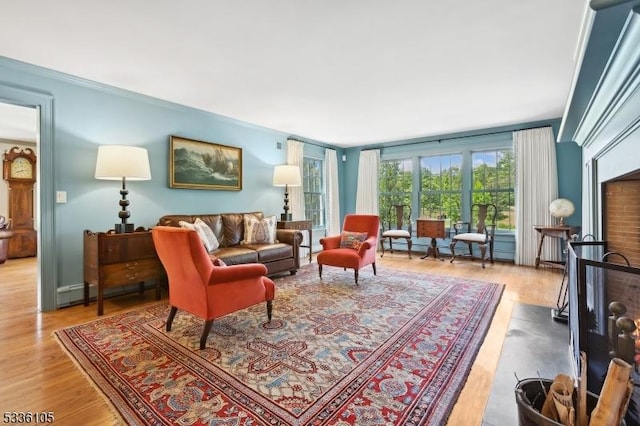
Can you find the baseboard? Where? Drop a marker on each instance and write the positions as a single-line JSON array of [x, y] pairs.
[[73, 294]]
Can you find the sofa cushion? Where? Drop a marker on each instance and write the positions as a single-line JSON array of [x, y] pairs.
[[233, 227], [271, 252], [236, 255], [205, 233], [259, 231]]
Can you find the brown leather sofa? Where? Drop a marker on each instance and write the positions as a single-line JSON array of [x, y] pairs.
[[282, 256]]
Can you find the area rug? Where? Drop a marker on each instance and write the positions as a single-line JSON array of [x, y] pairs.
[[395, 349]]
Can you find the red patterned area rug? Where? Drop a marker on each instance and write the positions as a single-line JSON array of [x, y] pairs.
[[394, 350]]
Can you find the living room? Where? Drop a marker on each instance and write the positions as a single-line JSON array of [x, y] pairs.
[[77, 115]]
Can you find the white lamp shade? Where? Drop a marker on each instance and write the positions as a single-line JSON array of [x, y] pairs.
[[115, 162], [561, 208], [286, 174]]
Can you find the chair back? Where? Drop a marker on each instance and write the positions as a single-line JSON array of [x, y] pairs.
[[186, 262], [398, 217], [362, 223], [486, 215]]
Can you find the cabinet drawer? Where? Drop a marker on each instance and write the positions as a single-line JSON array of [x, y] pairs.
[[133, 271], [124, 247]]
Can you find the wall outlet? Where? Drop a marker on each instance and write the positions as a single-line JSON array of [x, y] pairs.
[[61, 196]]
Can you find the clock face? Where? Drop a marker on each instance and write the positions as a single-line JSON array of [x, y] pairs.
[[21, 168]]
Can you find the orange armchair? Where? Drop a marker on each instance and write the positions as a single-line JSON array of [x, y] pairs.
[[199, 287], [336, 251]]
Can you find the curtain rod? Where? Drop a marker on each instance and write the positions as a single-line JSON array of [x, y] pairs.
[[451, 137]]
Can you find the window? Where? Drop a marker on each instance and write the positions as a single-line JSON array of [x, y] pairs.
[[441, 187], [312, 181], [395, 185], [494, 182]]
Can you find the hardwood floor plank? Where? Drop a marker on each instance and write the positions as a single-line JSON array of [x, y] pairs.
[[37, 375]]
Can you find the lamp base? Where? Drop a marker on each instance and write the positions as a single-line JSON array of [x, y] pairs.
[[122, 228], [286, 217]]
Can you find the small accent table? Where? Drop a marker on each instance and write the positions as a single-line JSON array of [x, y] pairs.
[[431, 228], [300, 225], [557, 231], [113, 260]]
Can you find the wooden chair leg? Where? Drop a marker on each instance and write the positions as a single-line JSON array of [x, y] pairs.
[[320, 270], [355, 274], [172, 314], [453, 251], [483, 252], [205, 334], [374, 268], [269, 309], [382, 246], [409, 245]]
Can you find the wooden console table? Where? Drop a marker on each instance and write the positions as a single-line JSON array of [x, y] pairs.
[[113, 260], [300, 225], [562, 232], [431, 228]]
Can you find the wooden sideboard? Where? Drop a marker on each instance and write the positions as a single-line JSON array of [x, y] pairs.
[[114, 260]]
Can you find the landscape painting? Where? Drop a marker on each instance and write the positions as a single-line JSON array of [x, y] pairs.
[[204, 165]]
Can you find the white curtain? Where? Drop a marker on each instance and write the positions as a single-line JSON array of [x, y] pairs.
[[536, 188], [333, 192], [367, 191], [295, 155]]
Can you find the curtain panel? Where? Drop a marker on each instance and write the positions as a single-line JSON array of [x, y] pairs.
[[536, 188], [367, 191], [332, 192]]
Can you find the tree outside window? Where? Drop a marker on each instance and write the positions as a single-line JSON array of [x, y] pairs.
[[494, 182], [441, 187], [395, 185]]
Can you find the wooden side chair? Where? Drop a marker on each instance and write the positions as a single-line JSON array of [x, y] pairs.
[[397, 225], [482, 234]]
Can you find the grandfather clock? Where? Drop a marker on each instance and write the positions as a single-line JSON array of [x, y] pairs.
[[19, 170]]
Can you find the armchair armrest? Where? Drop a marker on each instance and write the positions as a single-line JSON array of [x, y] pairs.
[[331, 242], [366, 245], [222, 274]]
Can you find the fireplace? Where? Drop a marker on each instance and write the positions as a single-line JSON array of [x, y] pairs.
[[599, 277]]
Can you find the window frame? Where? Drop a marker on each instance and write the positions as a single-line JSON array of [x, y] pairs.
[[322, 193]]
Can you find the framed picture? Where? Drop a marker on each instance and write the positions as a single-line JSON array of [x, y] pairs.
[[204, 165]]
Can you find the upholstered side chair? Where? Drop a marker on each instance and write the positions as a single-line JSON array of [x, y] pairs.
[[397, 225], [203, 289], [354, 248], [482, 234]]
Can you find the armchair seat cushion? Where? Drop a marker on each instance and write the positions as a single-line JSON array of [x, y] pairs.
[[472, 237], [341, 257], [397, 233]]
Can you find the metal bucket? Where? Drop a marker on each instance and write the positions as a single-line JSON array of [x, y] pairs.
[[530, 398]]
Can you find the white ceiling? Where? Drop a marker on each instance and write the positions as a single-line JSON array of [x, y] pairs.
[[345, 72]]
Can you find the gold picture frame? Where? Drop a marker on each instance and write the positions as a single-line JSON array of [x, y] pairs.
[[197, 164]]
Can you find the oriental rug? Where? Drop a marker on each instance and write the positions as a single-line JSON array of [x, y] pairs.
[[395, 349]]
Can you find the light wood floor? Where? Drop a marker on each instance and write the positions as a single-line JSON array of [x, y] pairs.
[[36, 375]]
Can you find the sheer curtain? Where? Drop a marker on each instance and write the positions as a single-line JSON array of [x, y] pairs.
[[333, 192], [536, 187], [367, 191], [295, 155]]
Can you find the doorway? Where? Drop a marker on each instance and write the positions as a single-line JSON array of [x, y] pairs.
[[45, 213]]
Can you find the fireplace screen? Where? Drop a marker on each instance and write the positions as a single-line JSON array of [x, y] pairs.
[[604, 310]]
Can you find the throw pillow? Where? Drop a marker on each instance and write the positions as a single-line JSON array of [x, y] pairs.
[[205, 233], [259, 231], [217, 261], [353, 240]]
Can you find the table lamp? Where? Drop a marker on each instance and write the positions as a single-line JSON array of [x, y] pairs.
[[286, 175], [120, 162], [561, 208]]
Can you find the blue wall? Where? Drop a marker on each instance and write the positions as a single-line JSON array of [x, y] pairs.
[[84, 114]]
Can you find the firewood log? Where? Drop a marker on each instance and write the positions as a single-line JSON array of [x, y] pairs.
[[614, 395]]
